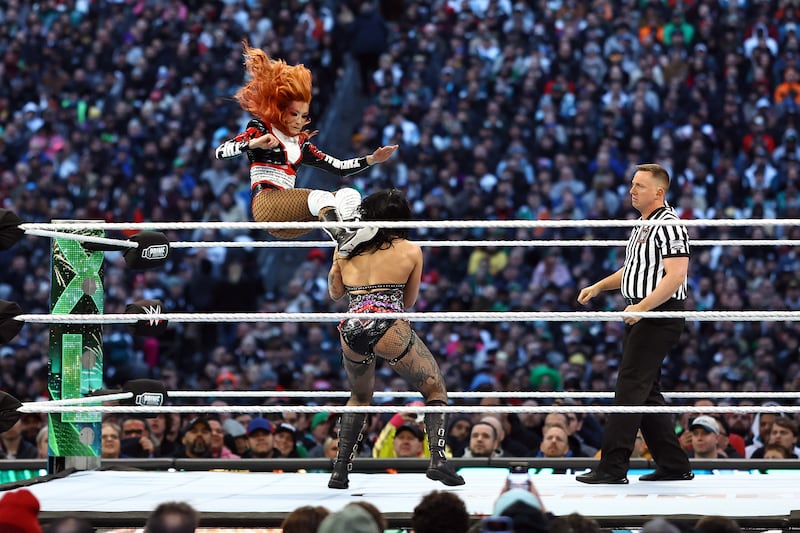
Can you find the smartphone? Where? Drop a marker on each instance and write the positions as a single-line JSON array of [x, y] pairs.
[[519, 478], [497, 524]]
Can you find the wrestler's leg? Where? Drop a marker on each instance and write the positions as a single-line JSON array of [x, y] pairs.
[[351, 425], [284, 205], [412, 359], [327, 207]]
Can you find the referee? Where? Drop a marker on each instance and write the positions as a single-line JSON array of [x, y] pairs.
[[653, 278]]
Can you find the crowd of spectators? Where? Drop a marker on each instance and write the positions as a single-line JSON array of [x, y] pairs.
[[503, 110]]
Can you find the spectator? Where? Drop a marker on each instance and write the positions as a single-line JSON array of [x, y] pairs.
[[285, 439], [408, 441], [235, 437], [261, 440], [782, 432], [70, 524], [13, 446], [196, 440], [716, 524], [458, 433], [440, 512], [483, 441], [705, 438], [19, 512], [110, 444], [172, 517], [42, 443], [218, 448], [304, 519], [352, 518], [136, 440], [554, 443]]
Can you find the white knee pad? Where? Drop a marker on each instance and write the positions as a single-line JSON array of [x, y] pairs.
[[319, 200], [348, 202]]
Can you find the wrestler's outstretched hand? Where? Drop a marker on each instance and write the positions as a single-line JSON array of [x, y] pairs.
[[382, 154]]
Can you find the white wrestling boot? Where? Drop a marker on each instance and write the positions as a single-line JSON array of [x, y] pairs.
[[348, 204], [346, 239]]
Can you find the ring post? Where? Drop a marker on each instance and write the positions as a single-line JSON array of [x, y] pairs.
[[75, 351]]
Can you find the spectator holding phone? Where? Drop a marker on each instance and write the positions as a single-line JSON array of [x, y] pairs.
[[517, 509]]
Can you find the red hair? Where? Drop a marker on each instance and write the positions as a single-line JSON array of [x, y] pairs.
[[273, 85]]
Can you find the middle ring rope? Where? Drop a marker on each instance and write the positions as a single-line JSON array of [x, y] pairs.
[[554, 316]]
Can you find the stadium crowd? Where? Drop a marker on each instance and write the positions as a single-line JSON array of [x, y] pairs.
[[502, 110]]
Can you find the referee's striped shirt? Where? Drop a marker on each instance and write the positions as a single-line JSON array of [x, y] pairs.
[[645, 253]]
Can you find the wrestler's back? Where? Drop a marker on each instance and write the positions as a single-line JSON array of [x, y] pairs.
[[399, 263]]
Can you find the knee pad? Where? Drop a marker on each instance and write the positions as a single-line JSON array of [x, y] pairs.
[[319, 200]]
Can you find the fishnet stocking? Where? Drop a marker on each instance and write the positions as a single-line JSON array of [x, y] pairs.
[[286, 205], [417, 367]]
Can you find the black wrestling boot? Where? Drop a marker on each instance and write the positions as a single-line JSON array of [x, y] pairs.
[[346, 239], [439, 469], [350, 431]]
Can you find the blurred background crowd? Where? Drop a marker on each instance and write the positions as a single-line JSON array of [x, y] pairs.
[[535, 109]]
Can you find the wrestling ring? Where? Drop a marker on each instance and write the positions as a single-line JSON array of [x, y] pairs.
[[257, 494]]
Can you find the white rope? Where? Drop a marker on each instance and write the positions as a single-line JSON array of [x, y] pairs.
[[597, 316], [36, 408], [400, 394], [87, 399], [472, 395], [441, 224], [82, 238], [502, 244]]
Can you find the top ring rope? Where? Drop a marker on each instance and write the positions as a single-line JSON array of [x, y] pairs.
[[408, 394], [597, 316], [453, 243], [442, 224], [42, 407]]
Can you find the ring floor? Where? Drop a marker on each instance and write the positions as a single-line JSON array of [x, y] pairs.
[[249, 499]]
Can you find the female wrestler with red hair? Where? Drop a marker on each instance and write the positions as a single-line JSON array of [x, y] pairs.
[[275, 141]]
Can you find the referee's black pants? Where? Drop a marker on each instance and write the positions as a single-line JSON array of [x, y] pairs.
[[644, 347]]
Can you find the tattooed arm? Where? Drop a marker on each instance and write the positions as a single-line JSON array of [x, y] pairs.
[[335, 283]]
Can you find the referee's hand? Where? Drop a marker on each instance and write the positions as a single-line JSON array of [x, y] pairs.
[[587, 293], [631, 320]]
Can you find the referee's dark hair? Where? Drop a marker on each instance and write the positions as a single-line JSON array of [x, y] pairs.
[[659, 173]]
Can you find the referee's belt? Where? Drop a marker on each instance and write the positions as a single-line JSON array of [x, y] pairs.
[[262, 186], [672, 303]]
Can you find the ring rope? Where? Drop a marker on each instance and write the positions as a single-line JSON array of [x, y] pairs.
[[544, 316], [441, 224], [87, 399], [441, 244], [473, 395], [35, 407], [82, 238], [406, 394], [454, 243]]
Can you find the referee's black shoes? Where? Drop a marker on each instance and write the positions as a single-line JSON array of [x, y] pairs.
[[596, 477], [666, 475]]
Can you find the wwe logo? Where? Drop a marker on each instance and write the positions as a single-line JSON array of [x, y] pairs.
[[153, 310]]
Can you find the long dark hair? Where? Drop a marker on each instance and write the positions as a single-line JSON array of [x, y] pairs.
[[384, 205]]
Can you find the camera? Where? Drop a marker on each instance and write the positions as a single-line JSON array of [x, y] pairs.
[[519, 478]]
